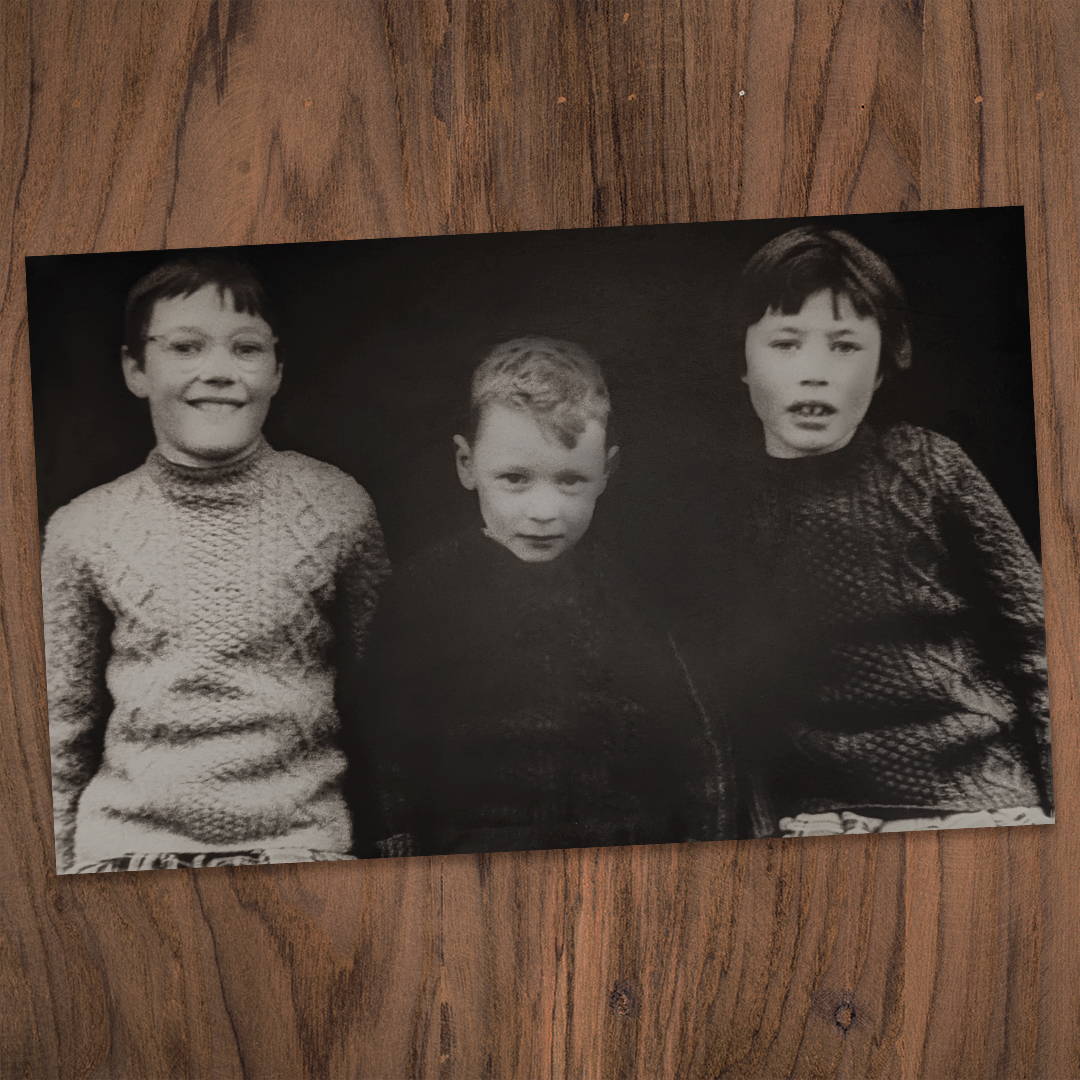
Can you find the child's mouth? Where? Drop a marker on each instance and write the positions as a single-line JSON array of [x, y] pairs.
[[215, 407], [541, 540], [811, 410]]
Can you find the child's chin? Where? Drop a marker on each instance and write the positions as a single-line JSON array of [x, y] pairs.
[[807, 444], [532, 553]]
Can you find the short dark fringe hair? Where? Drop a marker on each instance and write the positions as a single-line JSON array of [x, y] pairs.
[[557, 382], [791, 267], [184, 276]]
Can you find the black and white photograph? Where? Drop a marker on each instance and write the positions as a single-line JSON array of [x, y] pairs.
[[521, 541]]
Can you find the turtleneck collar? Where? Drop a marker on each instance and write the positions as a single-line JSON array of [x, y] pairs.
[[508, 566], [823, 468], [229, 482]]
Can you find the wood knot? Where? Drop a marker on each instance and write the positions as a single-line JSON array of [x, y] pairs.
[[446, 1033], [623, 999], [844, 1015]]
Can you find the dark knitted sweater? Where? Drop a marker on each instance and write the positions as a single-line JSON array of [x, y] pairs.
[[894, 635], [533, 706]]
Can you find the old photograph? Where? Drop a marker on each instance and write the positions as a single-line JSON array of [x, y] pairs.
[[432, 545]]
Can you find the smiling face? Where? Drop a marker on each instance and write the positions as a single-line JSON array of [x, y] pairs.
[[812, 375], [537, 496], [209, 373]]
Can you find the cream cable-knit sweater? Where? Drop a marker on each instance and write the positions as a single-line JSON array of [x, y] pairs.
[[192, 617]]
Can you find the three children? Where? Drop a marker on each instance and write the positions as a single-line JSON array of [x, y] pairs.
[[520, 691]]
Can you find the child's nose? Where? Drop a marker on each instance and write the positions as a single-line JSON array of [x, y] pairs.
[[813, 369], [544, 504], [218, 364]]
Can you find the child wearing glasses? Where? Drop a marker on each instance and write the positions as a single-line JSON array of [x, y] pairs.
[[894, 634], [194, 608]]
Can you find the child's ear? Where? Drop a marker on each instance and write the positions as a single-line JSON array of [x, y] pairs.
[[610, 465], [464, 461], [612, 462], [134, 375]]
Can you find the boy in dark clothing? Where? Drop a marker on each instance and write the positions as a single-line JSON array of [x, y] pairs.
[[893, 637], [525, 697]]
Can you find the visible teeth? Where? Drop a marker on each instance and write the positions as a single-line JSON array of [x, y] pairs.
[[215, 406], [812, 410]]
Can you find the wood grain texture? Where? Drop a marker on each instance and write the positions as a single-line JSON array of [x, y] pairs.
[[166, 123]]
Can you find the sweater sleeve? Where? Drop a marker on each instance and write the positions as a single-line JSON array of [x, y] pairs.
[[391, 687], [363, 570], [1001, 579], [405, 687], [77, 629]]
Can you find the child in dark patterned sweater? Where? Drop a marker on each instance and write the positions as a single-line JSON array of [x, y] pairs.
[[194, 608], [528, 697], [893, 635]]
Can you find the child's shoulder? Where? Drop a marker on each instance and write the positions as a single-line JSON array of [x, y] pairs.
[[918, 450], [434, 592], [457, 559], [98, 508], [326, 486], [905, 438]]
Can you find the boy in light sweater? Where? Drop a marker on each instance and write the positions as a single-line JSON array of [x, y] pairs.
[[194, 608]]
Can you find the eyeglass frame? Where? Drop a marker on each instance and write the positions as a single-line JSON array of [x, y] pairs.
[[209, 342]]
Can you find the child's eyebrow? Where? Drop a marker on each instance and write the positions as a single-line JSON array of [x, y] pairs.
[[247, 328], [840, 333]]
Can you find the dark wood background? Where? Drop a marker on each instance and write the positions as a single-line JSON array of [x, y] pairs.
[[131, 124]]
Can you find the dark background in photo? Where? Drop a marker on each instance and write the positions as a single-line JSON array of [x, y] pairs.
[[379, 338]]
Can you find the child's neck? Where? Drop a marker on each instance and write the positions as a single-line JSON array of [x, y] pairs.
[[826, 459], [201, 475], [541, 566]]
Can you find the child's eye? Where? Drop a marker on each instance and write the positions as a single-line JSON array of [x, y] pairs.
[[514, 479], [186, 347], [784, 345], [249, 350], [571, 480], [846, 347]]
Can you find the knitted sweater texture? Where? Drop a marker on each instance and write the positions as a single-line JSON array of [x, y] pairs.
[[192, 623], [534, 706], [895, 638]]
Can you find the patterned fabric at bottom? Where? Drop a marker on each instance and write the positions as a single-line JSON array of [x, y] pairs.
[[173, 860], [847, 823]]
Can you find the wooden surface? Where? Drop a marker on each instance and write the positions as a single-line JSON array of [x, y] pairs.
[[188, 122]]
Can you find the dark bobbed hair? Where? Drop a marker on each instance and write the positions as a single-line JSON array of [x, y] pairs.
[[182, 277], [783, 273], [557, 382]]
